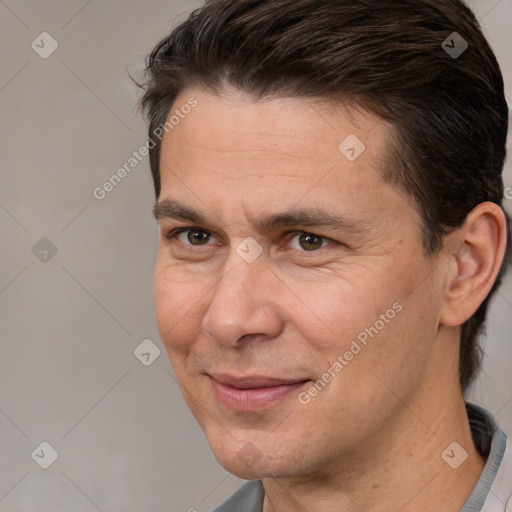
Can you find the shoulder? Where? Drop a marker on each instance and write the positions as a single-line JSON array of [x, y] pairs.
[[249, 498]]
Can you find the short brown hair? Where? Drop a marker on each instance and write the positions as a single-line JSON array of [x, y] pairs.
[[448, 111]]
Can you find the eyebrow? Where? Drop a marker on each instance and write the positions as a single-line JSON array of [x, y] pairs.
[[170, 209], [305, 217]]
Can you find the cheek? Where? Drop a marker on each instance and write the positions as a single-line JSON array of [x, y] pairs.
[[336, 311], [177, 309], [365, 328], [398, 347]]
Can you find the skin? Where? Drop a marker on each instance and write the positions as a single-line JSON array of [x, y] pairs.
[[372, 438]]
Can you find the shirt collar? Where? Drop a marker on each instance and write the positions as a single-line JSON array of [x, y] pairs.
[[493, 491]]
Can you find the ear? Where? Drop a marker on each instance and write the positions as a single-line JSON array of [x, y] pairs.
[[476, 251]]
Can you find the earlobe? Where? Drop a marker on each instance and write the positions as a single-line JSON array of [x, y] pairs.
[[476, 251]]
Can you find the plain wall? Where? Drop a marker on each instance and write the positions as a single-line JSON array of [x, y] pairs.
[[69, 325]]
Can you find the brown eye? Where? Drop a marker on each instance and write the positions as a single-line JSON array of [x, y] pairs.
[[310, 242], [197, 237]]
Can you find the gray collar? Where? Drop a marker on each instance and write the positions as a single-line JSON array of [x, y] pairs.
[[494, 487]]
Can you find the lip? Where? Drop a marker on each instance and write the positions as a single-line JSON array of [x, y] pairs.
[[253, 392]]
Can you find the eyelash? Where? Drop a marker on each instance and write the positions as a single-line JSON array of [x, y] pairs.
[[171, 235], [175, 232]]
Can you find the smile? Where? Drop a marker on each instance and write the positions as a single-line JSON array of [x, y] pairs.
[[253, 393]]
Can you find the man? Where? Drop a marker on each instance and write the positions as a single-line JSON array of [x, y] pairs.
[[328, 177]]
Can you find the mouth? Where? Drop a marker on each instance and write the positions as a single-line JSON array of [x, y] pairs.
[[251, 393]]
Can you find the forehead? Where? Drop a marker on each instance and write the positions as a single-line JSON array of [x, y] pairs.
[[233, 123], [231, 150]]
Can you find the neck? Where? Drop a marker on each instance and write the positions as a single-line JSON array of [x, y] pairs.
[[401, 468]]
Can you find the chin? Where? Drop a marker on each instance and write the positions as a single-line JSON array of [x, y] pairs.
[[256, 471], [241, 458], [244, 459], [242, 471]]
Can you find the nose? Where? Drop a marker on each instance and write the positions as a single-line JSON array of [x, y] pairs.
[[245, 304]]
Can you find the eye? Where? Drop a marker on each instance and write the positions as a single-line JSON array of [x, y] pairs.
[[190, 236], [308, 242]]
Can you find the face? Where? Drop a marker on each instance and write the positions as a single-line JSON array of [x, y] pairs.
[[291, 290]]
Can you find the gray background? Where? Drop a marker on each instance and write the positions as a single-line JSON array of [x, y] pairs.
[[71, 321]]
